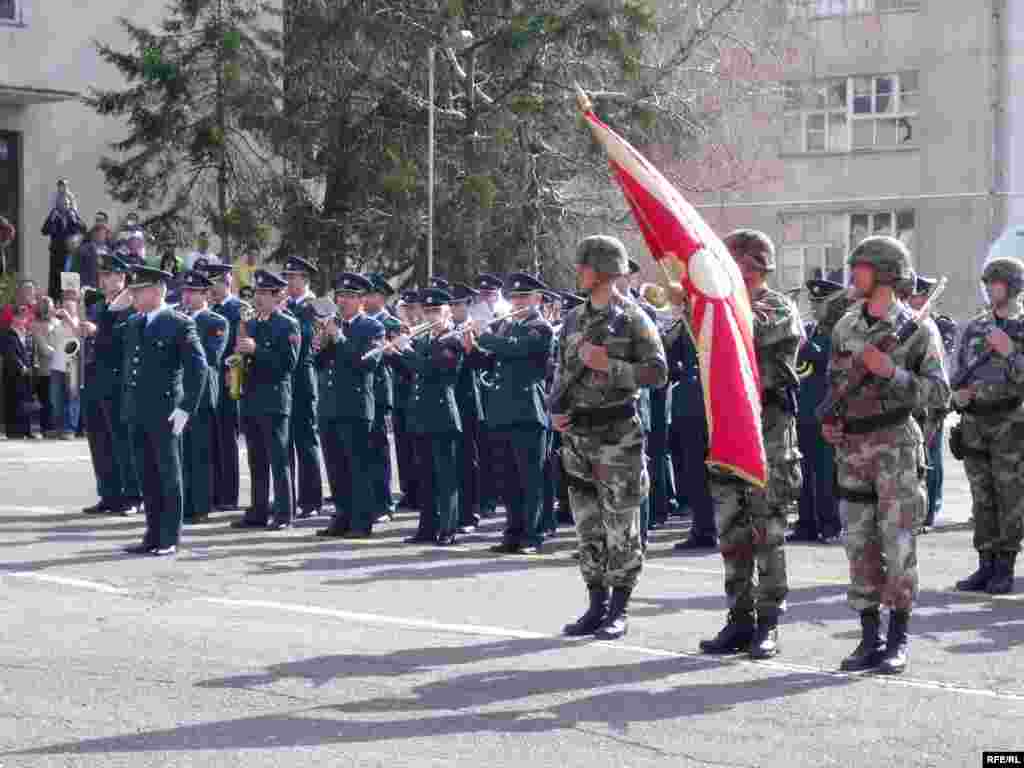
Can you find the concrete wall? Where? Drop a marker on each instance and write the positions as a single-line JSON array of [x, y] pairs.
[[54, 51]]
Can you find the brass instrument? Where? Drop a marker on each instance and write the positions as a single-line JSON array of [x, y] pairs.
[[416, 330], [72, 350], [236, 366]]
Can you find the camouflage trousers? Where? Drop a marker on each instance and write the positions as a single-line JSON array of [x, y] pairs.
[[995, 456], [882, 500], [607, 478], [751, 522]]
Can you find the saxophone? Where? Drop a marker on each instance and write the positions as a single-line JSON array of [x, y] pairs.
[[237, 365]]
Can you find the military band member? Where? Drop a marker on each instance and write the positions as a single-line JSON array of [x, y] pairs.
[[384, 396], [111, 444], [349, 408], [198, 440], [271, 344], [434, 418], [819, 507], [992, 422], [751, 521], [165, 373], [471, 411], [608, 350], [304, 439], [402, 380], [879, 451], [226, 453], [515, 356]]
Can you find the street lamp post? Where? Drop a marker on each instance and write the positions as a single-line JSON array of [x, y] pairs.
[[460, 40]]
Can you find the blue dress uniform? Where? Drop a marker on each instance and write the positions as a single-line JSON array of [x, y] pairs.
[[226, 454], [165, 372], [349, 409], [110, 438], [515, 355], [435, 420], [688, 437], [304, 431], [471, 412], [199, 441], [405, 448], [819, 507], [490, 489], [266, 411]]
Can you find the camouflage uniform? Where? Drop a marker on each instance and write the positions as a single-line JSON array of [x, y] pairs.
[[603, 449], [880, 458], [991, 439], [751, 522]]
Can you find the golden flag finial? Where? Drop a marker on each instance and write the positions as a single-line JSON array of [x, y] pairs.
[[582, 100]]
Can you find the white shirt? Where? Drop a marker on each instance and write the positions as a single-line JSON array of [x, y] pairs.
[[211, 258]]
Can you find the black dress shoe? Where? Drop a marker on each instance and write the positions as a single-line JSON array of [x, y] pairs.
[[101, 507], [447, 540], [384, 518], [419, 539], [357, 535], [504, 548], [164, 551], [529, 549], [305, 514], [129, 510], [198, 519], [139, 549], [243, 523], [467, 528], [282, 525], [332, 532]]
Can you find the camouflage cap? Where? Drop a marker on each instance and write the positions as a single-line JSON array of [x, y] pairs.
[[753, 243], [1007, 269], [889, 256], [604, 253]]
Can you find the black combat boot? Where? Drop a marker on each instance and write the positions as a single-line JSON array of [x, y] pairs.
[[735, 636], [978, 581], [766, 636], [868, 654], [589, 622], [615, 623], [896, 651], [1002, 575]]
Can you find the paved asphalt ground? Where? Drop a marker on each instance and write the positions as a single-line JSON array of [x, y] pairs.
[[259, 649]]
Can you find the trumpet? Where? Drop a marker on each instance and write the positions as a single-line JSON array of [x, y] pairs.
[[236, 366]]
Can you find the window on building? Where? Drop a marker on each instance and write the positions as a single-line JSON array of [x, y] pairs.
[[816, 245], [855, 113], [829, 8], [10, 11]]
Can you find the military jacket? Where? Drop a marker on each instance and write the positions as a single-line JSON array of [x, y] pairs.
[[1001, 378], [436, 361], [812, 368], [349, 392], [304, 380], [268, 385], [165, 367], [636, 357], [468, 394], [686, 405], [231, 310], [213, 335], [103, 376], [514, 358], [777, 338], [920, 378]]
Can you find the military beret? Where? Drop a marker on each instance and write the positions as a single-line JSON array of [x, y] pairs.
[[489, 282], [380, 284], [440, 283], [247, 292], [820, 290], [195, 280], [521, 282], [461, 292], [144, 277], [350, 282], [435, 297], [265, 280], [924, 285], [570, 301], [296, 265]]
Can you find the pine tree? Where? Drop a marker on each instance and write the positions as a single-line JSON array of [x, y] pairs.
[[200, 104]]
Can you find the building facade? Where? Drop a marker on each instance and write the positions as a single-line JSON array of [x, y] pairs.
[[48, 62], [899, 118]]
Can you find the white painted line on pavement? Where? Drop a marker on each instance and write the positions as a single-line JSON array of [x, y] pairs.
[[61, 460], [68, 581], [683, 656]]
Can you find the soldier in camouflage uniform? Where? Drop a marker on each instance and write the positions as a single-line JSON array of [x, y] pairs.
[[992, 425], [608, 349], [751, 522], [879, 447]]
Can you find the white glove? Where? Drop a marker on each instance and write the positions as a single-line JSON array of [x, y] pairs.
[[178, 419]]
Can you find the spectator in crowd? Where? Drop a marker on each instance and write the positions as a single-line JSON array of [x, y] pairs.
[[98, 238], [62, 224], [170, 264], [64, 394], [24, 296], [19, 367], [202, 251], [7, 235], [42, 326]]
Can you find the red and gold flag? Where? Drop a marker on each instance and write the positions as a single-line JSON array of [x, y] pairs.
[[720, 314]]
